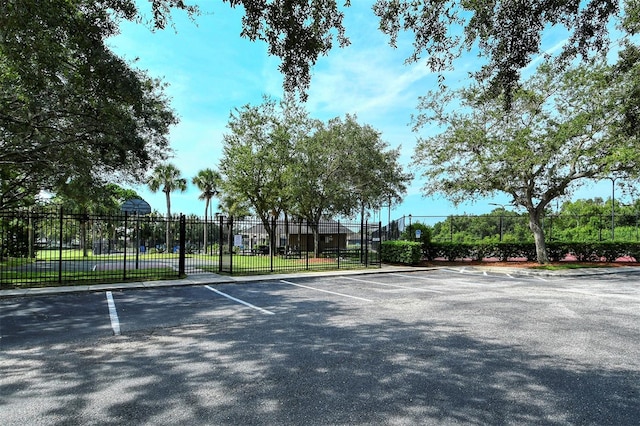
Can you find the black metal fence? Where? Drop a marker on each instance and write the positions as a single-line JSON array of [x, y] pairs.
[[51, 248], [515, 228], [256, 246]]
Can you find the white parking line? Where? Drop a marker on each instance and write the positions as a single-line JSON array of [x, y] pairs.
[[392, 285], [462, 270], [417, 277], [113, 314], [326, 291], [264, 311]]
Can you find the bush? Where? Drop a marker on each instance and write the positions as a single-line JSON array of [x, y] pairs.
[[405, 252], [609, 251], [15, 239], [583, 251]]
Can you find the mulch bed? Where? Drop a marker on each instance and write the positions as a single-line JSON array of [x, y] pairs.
[[525, 264]]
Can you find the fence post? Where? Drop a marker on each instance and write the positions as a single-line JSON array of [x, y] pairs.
[[124, 261], [183, 245], [60, 247], [380, 244], [220, 243], [272, 242], [366, 244], [338, 259]]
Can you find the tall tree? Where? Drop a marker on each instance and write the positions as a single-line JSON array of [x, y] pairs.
[[343, 168], [69, 108], [316, 179], [372, 171], [255, 157], [563, 128], [208, 182], [167, 178]]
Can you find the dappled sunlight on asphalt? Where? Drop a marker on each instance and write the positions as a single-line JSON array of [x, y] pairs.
[[297, 370]]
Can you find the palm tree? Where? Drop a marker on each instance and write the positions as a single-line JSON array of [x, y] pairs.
[[166, 177], [207, 181]]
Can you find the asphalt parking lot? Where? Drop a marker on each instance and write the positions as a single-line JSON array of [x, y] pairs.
[[448, 346]]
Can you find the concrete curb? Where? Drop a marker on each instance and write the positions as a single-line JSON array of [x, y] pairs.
[[213, 279], [200, 279]]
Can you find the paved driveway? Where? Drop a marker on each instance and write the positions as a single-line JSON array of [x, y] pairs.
[[433, 347]]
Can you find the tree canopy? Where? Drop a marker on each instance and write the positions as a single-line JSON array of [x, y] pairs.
[[280, 161], [253, 162], [508, 34], [297, 32], [563, 128], [69, 108]]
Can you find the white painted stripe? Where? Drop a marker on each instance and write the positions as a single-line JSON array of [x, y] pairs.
[[326, 291], [264, 311], [417, 277], [392, 285], [113, 314], [462, 270]]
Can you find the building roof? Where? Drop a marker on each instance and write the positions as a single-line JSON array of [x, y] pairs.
[[326, 227]]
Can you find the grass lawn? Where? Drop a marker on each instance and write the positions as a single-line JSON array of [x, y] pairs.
[[17, 279], [75, 254], [262, 264], [15, 273]]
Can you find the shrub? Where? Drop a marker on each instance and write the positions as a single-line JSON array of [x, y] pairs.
[[14, 240], [405, 252]]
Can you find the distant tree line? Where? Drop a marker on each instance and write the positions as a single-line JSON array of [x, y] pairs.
[[585, 220]]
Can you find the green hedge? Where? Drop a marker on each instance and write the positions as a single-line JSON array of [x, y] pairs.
[[584, 252], [405, 252]]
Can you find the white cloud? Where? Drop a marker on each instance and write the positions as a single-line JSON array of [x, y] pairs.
[[368, 82]]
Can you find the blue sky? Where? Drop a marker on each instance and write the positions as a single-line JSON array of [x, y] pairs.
[[211, 71]]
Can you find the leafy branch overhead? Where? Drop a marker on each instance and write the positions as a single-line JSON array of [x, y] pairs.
[[508, 34], [297, 32]]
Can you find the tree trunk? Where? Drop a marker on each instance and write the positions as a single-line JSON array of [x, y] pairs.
[[168, 224], [286, 232], [316, 239], [206, 211], [83, 238], [535, 224]]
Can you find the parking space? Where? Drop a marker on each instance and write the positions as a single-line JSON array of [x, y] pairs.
[[53, 319], [60, 318]]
